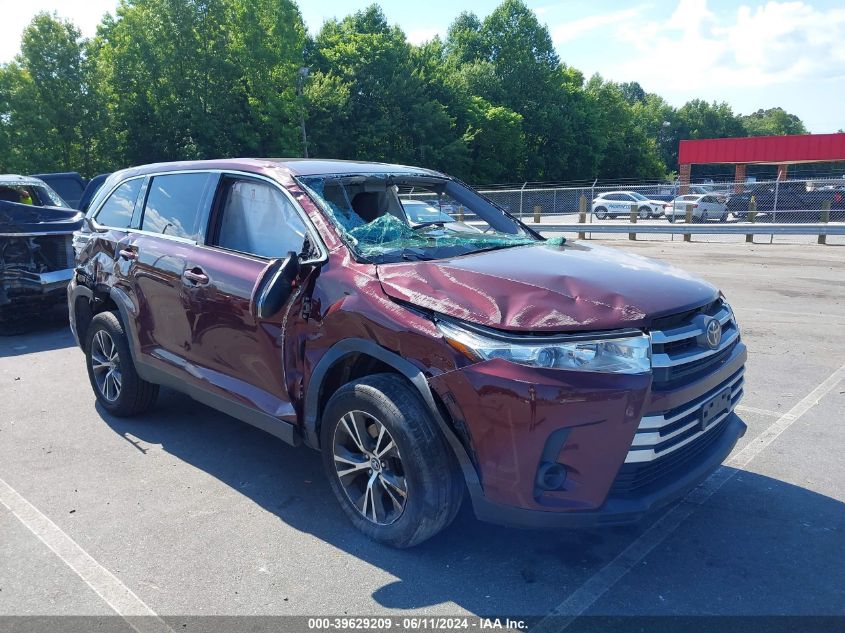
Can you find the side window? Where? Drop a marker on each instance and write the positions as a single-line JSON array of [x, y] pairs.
[[258, 219], [117, 209], [173, 205]]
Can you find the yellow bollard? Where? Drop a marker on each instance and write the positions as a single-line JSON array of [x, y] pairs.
[[825, 218], [688, 236], [537, 211], [633, 236], [752, 217], [582, 214]]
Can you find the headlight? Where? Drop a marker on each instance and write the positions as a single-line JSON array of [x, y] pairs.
[[623, 354]]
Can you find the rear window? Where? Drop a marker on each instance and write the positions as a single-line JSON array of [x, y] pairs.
[[117, 209], [173, 205]]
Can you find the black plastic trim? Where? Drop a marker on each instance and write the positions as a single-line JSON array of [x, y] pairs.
[[411, 372]]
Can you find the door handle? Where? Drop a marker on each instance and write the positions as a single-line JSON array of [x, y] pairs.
[[196, 276], [128, 254]]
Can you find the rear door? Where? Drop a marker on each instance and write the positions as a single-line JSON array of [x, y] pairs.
[[172, 221], [112, 221], [254, 223]]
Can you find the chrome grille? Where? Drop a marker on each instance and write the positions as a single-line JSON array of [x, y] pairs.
[[680, 354], [663, 433]]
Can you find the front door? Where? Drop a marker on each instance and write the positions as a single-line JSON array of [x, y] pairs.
[[239, 355]]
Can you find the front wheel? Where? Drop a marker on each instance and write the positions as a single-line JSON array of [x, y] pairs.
[[387, 461], [111, 371], [601, 213], [671, 218], [644, 213]]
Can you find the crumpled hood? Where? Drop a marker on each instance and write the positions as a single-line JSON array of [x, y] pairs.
[[548, 288], [24, 218]]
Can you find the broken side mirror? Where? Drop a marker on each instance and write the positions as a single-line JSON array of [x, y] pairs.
[[275, 286]]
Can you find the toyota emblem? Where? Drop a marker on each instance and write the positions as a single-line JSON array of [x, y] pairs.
[[714, 333]]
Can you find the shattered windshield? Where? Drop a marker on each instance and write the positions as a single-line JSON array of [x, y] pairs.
[[394, 217], [33, 194]]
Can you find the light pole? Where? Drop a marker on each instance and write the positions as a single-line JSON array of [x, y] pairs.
[[300, 81]]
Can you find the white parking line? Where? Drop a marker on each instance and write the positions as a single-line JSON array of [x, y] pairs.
[[105, 584], [597, 585]]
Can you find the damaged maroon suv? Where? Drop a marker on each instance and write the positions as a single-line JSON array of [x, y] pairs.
[[426, 342]]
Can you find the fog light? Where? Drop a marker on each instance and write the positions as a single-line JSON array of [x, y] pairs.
[[550, 476]]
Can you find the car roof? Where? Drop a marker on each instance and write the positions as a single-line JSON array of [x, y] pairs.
[[15, 179], [293, 166]]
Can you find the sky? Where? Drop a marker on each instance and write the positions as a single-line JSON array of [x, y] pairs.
[[750, 53]]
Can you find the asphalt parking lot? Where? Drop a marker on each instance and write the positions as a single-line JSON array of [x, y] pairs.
[[193, 513]]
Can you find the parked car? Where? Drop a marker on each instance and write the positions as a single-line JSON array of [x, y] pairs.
[[420, 213], [70, 185], [555, 383], [791, 199], [91, 189], [613, 204], [704, 208], [36, 228], [73, 188]]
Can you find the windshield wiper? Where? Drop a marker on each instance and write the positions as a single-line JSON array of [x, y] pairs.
[[496, 247]]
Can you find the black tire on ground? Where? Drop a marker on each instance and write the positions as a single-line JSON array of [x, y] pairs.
[[703, 219], [424, 463], [601, 213], [671, 218], [133, 395], [724, 217], [644, 213]]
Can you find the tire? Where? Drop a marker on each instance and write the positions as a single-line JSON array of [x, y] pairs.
[[644, 213], [601, 213], [115, 382], [671, 218], [724, 217], [420, 463], [703, 218]]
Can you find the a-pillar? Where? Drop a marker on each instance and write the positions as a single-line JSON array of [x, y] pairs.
[[739, 178], [684, 178]]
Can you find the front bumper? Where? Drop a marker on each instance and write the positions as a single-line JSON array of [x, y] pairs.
[[620, 510], [516, 418], [23, 284]]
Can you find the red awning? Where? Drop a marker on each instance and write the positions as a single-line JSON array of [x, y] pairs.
[[800, 148]]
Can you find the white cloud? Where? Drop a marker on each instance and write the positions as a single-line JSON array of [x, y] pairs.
[[585, 26], [777, 42], [422, 35]]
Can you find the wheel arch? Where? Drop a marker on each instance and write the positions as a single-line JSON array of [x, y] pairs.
[[381, 358]]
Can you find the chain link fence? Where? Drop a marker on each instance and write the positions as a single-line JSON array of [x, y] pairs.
[[710, 205]]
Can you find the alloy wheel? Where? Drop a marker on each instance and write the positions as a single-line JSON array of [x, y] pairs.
[[105, 363], [369, 467]]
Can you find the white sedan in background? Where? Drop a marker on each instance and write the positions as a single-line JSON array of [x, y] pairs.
[[704, 208], [612, 204]]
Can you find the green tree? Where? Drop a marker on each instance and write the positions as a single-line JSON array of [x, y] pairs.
[[627, 148], [202, 78], [48, 103], [773, 122], [388, 111]]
